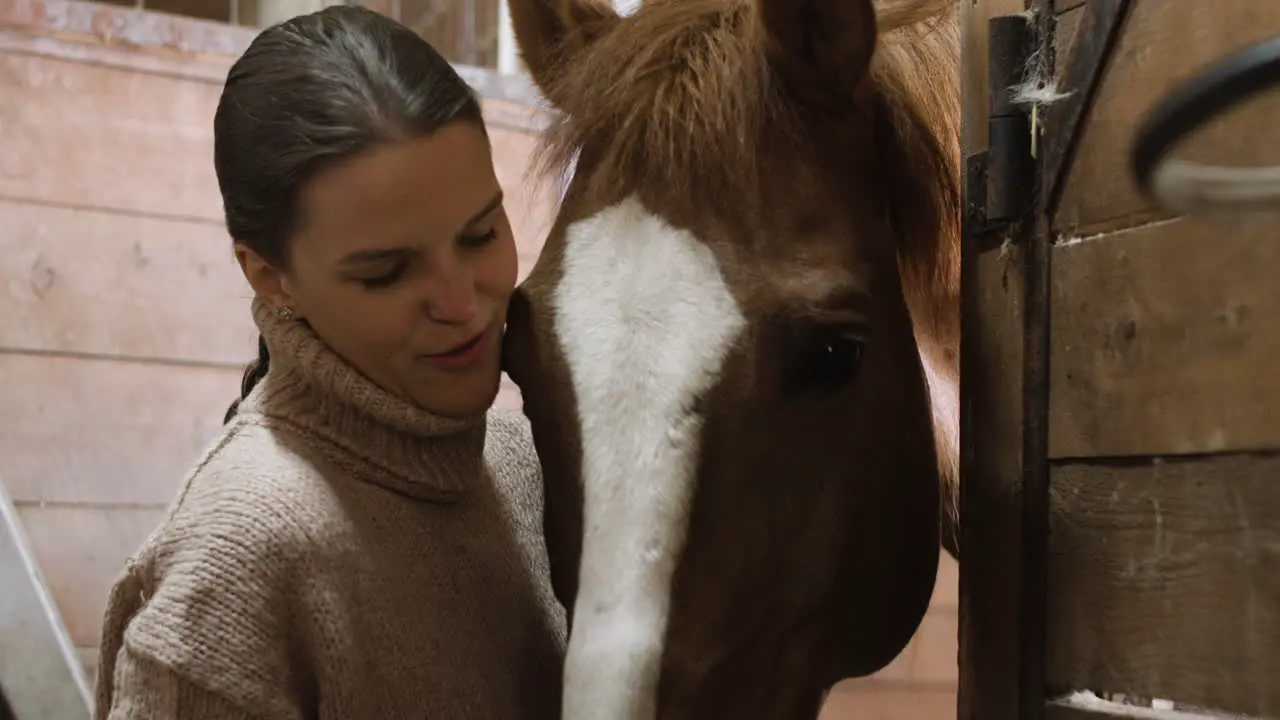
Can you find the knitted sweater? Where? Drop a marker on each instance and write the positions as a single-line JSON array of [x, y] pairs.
[[340, 554]]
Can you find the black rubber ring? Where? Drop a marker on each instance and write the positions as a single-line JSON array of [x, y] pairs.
[[1223, 85]]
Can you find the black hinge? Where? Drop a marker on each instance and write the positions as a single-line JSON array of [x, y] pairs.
[[998, 182]]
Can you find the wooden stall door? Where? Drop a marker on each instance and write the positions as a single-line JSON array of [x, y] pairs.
[[1130, 355], [124, 320]]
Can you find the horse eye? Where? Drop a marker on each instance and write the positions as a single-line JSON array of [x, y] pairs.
[[826, 360]]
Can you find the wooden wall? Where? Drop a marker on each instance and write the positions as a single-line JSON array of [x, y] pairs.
[[464, 31], [1162, 435], [1163, 428], [124, 319]]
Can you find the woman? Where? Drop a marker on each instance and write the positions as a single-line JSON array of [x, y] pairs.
[[363, 542]]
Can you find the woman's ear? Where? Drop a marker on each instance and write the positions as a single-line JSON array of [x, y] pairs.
[[551, 33], [266, 280]]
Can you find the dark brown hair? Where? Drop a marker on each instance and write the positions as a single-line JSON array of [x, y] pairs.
[[307, 94]]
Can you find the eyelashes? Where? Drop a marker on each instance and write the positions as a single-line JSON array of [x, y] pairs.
[[401, 267]]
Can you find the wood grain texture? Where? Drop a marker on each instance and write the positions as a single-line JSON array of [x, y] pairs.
[[74, 28], [1064, 36], [1163, 43], [1165, 580], [974, 15], [990, 510], [100, 283], [530, 199], [1113, 711], [1165, 341], [81, 551], [889, 700], [75, 430], [103, 138], [92, 23]]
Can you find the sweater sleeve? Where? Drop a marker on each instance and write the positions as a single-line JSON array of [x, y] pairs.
[[146, 690], [207, 617]]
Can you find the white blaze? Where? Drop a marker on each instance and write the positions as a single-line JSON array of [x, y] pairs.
[[645, 320]]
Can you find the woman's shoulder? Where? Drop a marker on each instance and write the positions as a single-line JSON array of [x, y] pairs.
[[251, 496], [216, 590]]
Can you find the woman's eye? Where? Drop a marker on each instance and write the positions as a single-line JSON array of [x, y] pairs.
[[825, 361], [386, 279], [474, 241]]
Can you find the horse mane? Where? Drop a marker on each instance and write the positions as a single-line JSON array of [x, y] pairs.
[[692, 130], [683, 100], [916, 73]]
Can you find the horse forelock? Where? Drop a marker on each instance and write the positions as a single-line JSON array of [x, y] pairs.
[[675, 96], [681, 96]]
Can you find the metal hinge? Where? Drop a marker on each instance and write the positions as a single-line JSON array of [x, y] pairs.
[[999, 181]]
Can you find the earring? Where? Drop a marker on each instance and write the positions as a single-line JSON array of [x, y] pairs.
[[284, 313]]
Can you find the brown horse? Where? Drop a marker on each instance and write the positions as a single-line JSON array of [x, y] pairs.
[[728, 345]]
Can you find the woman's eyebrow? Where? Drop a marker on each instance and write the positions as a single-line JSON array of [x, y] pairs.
[[368, 256], [488, 208]]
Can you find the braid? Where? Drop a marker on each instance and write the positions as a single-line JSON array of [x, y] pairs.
[[253, 372]]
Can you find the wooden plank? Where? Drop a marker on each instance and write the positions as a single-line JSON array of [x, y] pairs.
[[1093, 708], [23, 41], [59, 114], [97, 283], [991, 518], [1165, 580], [974, 15], [935, 656], [1164, 42], [1164, 341], [876, 700], [72, 28], [1064, 37], [81, 550], [96, 137], [97, 23], [103, 431], [508, 115], [530, 198], [40, 674], [216, 10]]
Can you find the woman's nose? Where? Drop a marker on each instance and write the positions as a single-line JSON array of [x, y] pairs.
[[452, 299]]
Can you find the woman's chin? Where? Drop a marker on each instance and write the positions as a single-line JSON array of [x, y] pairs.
[[462, 397]]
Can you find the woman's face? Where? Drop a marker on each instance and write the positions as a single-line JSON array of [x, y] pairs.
[[403, 263]]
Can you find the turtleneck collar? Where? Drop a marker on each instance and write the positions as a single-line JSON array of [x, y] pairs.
[[381, 438]]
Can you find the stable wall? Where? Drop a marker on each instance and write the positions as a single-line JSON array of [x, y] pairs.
[[1150, 412]]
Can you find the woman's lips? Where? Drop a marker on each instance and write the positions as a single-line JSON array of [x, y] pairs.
[[463, 355]]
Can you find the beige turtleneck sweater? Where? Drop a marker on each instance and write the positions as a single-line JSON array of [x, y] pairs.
[[339, 554]]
